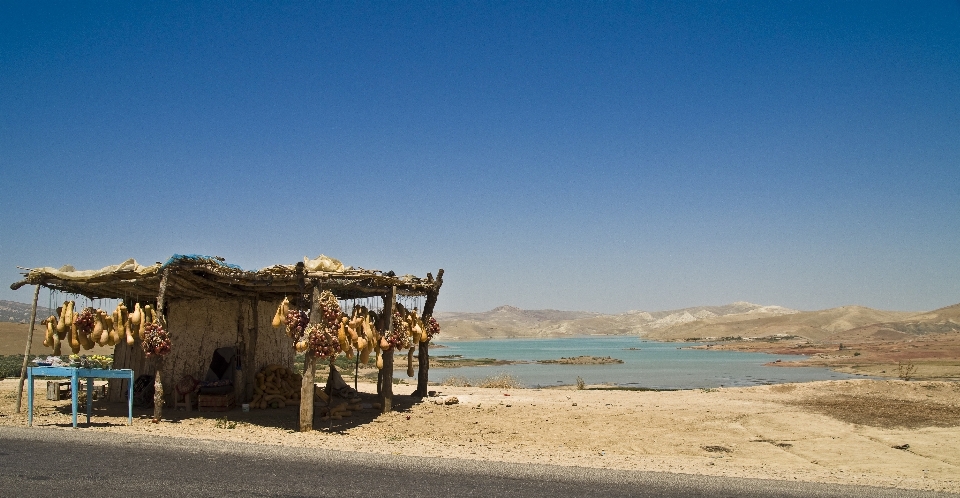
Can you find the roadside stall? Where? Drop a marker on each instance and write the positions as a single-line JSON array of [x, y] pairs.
[[197, 317]]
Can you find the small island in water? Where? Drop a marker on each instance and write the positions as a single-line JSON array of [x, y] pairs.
[[584, 360]]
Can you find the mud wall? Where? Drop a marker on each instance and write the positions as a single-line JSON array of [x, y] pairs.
[[197, 327]]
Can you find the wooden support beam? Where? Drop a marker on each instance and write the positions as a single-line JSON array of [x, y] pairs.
[[309, 369], [250, 352], [162, 318], [26, 352], [423, 356], [386, 379]]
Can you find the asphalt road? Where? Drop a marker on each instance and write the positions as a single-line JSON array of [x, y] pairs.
[[44, 462]]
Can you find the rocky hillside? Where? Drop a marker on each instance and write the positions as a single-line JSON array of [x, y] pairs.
[[11, 311], [508, 321], [811, 325], [737, 320]]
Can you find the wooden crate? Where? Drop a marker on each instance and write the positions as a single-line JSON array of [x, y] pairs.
[[215, 402], [58, 389]]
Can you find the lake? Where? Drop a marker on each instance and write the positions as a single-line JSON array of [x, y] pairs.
[[654, 365]]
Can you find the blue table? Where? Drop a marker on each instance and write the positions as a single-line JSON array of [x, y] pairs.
[[75, 374]]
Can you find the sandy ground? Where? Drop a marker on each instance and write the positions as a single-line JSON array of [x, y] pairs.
[[879, 433]]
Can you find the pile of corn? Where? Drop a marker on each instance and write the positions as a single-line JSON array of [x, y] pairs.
[[277, 387]]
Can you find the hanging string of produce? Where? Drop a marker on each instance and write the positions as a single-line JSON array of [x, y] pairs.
[[156, 341], [322, 338]]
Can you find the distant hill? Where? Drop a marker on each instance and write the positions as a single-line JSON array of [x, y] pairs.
[[740, 319], [12, 311], [812, 325], [509, 321], [938, 321]]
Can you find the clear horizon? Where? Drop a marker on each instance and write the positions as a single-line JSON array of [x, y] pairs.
[[589, 157]]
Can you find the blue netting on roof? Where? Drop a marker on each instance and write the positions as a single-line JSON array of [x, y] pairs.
[[198, 257]]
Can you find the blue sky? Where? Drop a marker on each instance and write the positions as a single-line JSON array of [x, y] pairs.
[[598, 156]]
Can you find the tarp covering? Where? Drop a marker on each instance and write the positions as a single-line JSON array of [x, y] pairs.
[[176, 258], [323, 263], [68, 272]]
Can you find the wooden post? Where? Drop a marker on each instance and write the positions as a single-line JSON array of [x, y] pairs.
[[423, 355], [26, 352], [309, 369], [386, 388], [162, 318], [250, 352], [423, 369]]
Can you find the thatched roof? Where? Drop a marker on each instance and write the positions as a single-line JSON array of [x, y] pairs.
[[195, 276]]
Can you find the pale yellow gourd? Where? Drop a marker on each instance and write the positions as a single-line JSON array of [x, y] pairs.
[[74, 340], [62, 322], [342, 334], [365, 353], [84, 337], [97, 334], [419, 330], [109, 320], [280, 315], [136, 316], [149, 314], [48, 337], [56, 340], [70, 312]]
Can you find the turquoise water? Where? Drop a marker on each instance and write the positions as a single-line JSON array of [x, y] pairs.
[[656, 365]]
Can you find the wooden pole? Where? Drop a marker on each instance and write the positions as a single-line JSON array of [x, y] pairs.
[[309, 370], [423, 355], [26, 352], [386, 389], [250, 352], [162, 318]]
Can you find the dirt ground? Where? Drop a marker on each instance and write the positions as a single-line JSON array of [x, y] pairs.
[[880, 433]]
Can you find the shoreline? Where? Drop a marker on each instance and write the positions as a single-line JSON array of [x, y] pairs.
[[934, 356]]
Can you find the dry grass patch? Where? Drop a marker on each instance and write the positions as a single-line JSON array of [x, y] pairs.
[[498, 381], [883, 412]]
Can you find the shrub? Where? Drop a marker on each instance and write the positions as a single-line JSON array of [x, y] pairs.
[[455, 381], [907, 370], [580, 384], [500, 381]]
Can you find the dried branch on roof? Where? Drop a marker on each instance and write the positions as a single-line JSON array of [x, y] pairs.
[[195, 276]]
